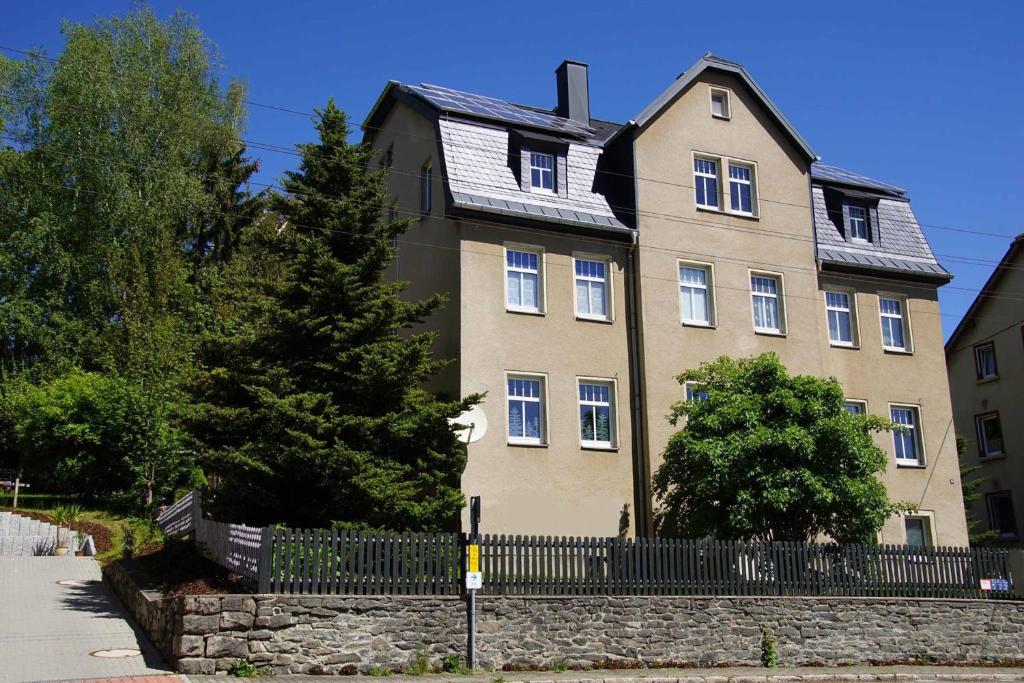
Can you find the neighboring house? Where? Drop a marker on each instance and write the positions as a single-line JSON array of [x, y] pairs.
[[588, 263], [985, 359]]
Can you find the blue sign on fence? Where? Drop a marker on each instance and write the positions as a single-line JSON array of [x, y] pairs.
[[1000, 584]]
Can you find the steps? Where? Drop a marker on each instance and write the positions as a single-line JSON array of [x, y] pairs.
[[23, 536]]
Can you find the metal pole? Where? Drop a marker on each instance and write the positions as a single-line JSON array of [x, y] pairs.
[[474, 533]]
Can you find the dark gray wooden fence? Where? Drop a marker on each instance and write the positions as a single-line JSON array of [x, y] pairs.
[[375, 563]]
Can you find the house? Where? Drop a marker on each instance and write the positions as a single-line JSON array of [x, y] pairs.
[[985, 359], [589, 262]]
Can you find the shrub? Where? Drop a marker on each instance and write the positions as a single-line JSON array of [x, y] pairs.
[[560, 666], [769, 649], [420, 663], [243, 669], [378, 670], [454, 664]]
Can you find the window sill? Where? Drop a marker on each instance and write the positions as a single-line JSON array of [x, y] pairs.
[[987, 380], [523, 311], [706, 326], [729, 212], [594, 319], [992, 458], [526, 444], [897, 352], [769, 333], [910, 465], [848, 347], [721, 117], [542, 191], [600, 449]]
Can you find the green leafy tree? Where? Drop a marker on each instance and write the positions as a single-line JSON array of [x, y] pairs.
[[121, 198], [313, 411], [97, 435], [771, 457]]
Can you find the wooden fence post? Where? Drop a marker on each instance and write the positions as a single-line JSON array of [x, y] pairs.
[[264, 562]]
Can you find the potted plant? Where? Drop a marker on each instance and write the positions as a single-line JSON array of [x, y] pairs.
[[65, 516]]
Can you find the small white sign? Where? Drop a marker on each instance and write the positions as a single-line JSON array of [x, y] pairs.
[[474, 581], [986, 584]]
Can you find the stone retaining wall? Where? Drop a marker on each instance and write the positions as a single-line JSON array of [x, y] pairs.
[[349, 634]]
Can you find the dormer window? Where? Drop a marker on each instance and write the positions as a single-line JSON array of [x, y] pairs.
[[542, 172], [859, 224], [720, 103]]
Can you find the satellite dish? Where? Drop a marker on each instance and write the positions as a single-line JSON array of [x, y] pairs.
[[474, 425]]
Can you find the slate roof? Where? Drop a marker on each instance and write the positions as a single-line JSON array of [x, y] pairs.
[[834, 174], [479, 178], [898, 245]]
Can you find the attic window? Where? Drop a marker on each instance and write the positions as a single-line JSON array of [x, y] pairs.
[[542, 172], [720, 103], [858, 224]]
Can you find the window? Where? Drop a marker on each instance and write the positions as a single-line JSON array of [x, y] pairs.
[[693, 394], [1000, 513], [894, 330], [695, 294], [596, 414], [525, 410], [858, 223], [389, 157], [705, 180], [542, 172], [426, 184], [741, 188], [764, 292], [919, 531], [907, 437], [719, 103], [839, 311], [990, 435], [592, 289], [392, 217], [522, 281], [854, 407], [985, 361]]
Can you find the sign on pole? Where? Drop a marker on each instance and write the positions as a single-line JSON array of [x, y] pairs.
[[474, 581], [474, 557]]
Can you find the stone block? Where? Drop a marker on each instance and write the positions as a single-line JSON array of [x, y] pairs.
[[222, 646], [196, 666], [235, 621], [200, 624], [188, 646]]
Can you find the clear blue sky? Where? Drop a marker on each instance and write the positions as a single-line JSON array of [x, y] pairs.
[[924, 95]]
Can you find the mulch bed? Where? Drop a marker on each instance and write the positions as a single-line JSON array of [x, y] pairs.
[[101, 535], [176, 568]]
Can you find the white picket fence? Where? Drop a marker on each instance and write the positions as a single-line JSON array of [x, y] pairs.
[[233, 546]]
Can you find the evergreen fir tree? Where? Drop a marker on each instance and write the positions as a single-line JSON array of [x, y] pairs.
[[315, 412]]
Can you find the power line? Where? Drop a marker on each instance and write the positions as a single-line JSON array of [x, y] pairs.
[[619, 245], [279, 149]]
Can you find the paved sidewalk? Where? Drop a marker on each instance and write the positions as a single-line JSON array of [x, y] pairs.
[[919, 674], [47, 630]]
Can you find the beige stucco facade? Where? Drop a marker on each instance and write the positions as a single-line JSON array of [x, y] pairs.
[[779, 241], [996, 319], [561, 488]]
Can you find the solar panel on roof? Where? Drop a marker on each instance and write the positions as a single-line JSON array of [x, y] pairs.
[[841, 175], [489, 107]]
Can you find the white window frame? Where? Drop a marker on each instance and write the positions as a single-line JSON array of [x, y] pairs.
[[709, 289], [717, 176], [541, 289], [987, 346], [850, 310], [426, 187], [926, 516], [542, 400], [916, 431], [983, 451], [751, 183], [613, 427], [857, 402], [689, 392], [581, 256], [866, 239], [726, 102], [779, 296], [540, 189], [904, 318]]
